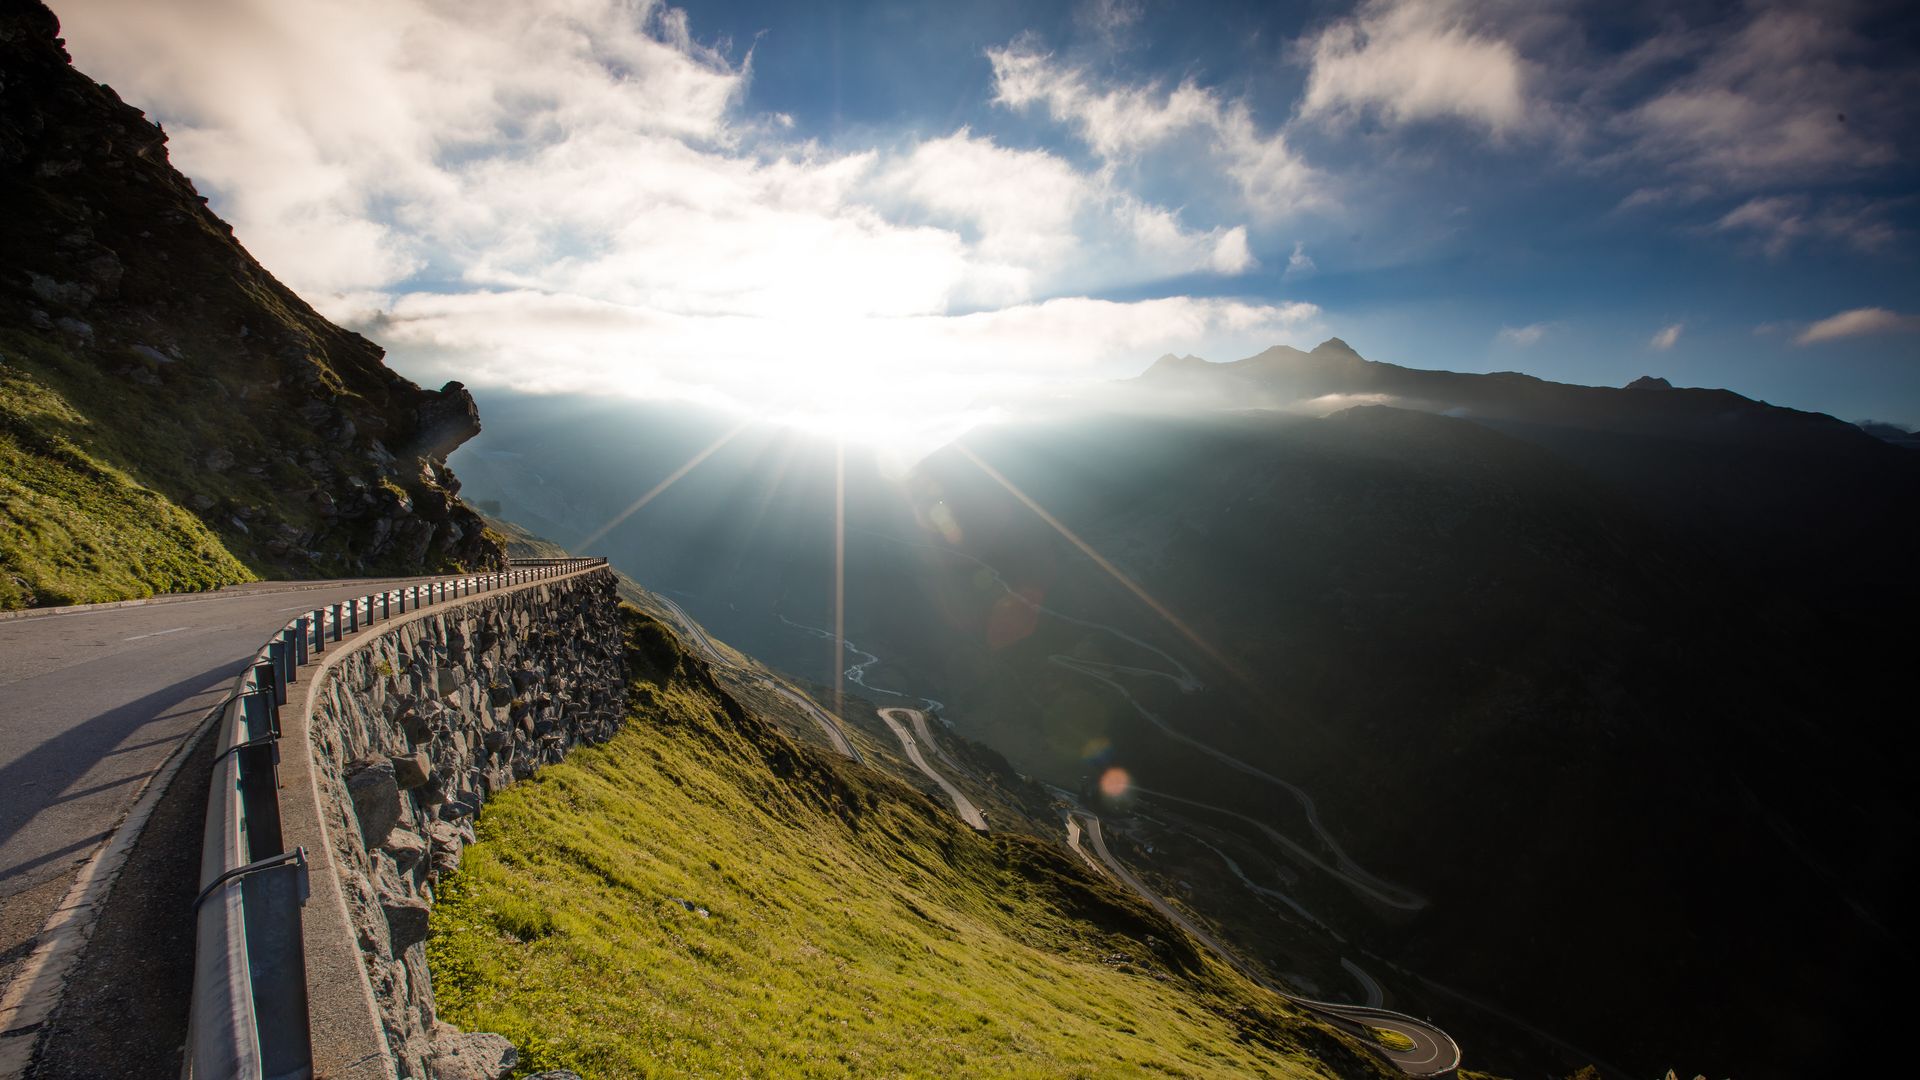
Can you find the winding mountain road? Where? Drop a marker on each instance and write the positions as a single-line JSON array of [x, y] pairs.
[[962, 805], [829, 724], [927, 739], [94, 700], [1342, 867], [1431, 1052]]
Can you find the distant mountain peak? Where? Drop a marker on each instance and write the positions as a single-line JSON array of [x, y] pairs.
[[1649, 382], [1170, 362], [1334, 344]]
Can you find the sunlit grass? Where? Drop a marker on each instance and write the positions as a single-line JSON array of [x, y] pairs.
[[74, 529], [850, 926], [1390, 1039]]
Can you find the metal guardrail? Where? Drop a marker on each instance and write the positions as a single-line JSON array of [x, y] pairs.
[[249, 1008]]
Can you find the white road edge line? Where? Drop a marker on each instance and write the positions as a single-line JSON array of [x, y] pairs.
[[156, 633]]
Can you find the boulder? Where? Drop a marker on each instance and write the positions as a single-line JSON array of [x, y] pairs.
[[406, 849], [418, 728], [406, 921], [448, 843], [412, 770], [470, 1055], [376, 798]]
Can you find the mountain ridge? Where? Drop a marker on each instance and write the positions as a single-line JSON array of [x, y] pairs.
[[150, 361]]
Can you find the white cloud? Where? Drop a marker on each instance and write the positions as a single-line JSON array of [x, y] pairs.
[[1111, 20], [1858, 322], [1666, 338], [1525, 336], [571, 195], [1406, 61], [1032, 218], [1300, 264], [1779, 222], [1774, 101], [1121, 122]]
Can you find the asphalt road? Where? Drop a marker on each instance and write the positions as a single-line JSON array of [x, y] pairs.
[[962, 805], [1433, 1051], [91, 704]]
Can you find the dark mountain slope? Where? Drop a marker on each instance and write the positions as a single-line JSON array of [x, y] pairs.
[[164, 396], [1773, 488], [1511, 686]]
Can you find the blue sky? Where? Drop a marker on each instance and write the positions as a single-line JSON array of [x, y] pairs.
[[849, 212]]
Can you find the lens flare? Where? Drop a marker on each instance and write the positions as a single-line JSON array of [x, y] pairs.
[[1115, 782], [594, 536], [1101, 561]]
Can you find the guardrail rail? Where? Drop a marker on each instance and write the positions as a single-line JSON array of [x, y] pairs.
[[249, 1009]]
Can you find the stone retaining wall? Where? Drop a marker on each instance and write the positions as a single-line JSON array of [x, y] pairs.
[[411, 734]]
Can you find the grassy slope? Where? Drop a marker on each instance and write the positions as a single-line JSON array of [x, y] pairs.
[[76, 530], [854, 928]]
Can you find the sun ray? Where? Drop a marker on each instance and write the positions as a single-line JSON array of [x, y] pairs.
[[839, 577], [1101, 561], [663, 485]]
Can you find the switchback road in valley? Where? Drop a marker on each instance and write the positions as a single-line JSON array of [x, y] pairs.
[[829, 724], [1342, 867], [92, 703], [1431, 1053], [962, 805]]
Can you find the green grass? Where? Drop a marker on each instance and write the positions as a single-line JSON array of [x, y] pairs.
[[76, 530], [1390, 1039], [852, 928]]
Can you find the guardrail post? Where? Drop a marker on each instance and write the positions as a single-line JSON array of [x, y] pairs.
[[266, 679], [300, 639], [280, 652], [353, 616], [319, 630]]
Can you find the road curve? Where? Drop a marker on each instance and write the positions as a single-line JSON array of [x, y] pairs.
[[927, 739], [828, 724], [962, 805], [1433, 1052], [694, 630], [92, 701]]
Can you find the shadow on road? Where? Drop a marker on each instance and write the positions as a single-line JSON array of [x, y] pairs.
[[58, 763]]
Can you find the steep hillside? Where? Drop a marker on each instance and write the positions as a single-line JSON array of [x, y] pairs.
[[171, 416], [727, 900]]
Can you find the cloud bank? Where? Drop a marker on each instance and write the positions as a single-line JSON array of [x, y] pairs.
[[1857, 323], [574, 197]]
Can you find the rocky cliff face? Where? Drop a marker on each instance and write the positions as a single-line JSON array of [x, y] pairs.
[[186, 367]]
